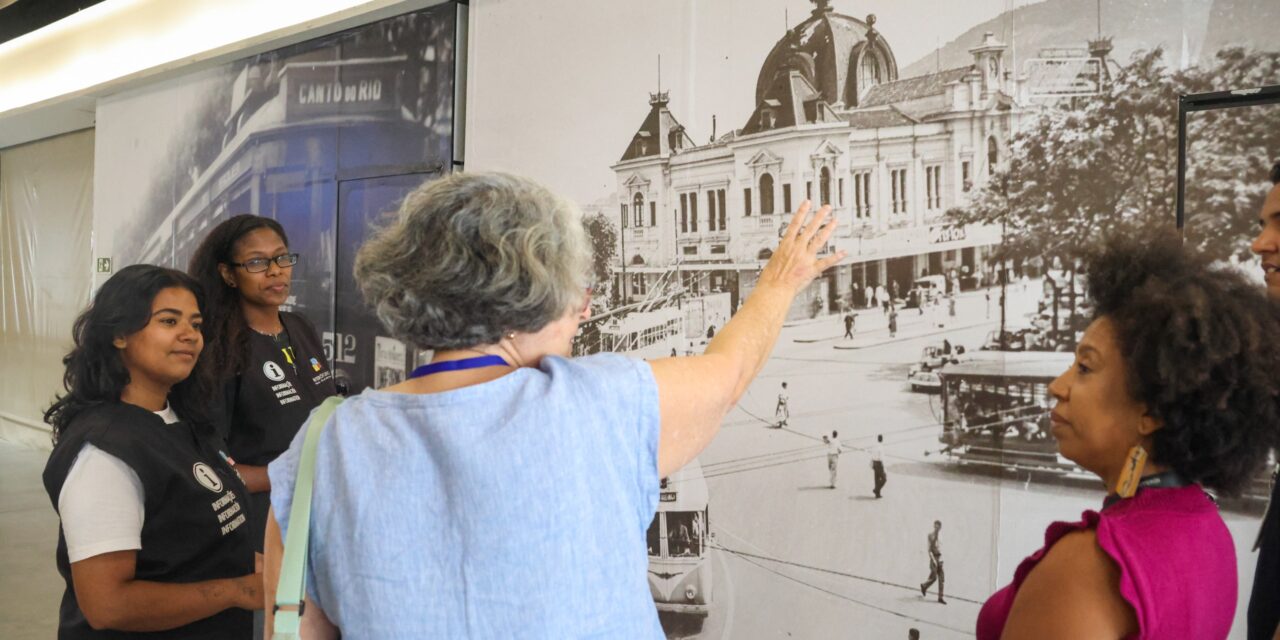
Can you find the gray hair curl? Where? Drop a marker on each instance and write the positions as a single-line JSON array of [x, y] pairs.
[[473, 256]]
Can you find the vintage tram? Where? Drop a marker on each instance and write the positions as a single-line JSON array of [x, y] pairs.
[[678, 541]]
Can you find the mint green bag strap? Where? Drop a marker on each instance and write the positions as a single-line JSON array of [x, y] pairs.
[[293, 568]]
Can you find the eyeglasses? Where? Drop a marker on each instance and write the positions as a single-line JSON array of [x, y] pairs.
[[258, 265]]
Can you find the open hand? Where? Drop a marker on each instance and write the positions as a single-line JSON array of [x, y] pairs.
[[795, 262]]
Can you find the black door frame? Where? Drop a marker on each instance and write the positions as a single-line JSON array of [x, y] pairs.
[[1207, 102]]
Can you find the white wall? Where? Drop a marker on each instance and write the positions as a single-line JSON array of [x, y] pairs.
[[46, 221]]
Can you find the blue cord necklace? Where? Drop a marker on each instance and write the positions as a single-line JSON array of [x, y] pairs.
[[459, 365]]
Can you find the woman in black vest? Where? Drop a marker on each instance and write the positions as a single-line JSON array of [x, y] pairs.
[[270, 364], [153, 534]]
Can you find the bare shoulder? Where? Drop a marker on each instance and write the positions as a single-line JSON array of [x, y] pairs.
[[1074, 592]]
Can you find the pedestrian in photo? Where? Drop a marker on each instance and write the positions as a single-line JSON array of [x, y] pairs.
[[877, 465], [269, 366], [783, 410], [444, 505], [883, 295], [1172, 393], [893, 323], [935, 565], [833, 455], [152, 530], [849, 319]]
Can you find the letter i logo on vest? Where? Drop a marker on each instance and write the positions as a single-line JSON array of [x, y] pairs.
[[272, 371], [206, 477]]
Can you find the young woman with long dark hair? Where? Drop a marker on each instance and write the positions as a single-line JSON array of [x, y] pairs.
[[269, 364], [153, 537]]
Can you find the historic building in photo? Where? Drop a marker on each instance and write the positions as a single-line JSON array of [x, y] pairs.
[[832, 122]]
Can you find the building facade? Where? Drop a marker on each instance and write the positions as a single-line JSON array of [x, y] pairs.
[[833, 123]]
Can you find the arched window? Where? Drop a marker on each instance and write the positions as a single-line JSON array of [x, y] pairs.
[[870, 71], [637, 210], [766, 195], [824, 186], [993, 155]]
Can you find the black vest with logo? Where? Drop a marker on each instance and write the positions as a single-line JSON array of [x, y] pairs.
[[267, 403], [195, 512], [275, 392]]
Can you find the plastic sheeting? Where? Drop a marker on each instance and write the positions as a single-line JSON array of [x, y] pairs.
[[46, 224]]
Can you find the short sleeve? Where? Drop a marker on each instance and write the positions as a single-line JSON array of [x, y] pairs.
[[101, 505]]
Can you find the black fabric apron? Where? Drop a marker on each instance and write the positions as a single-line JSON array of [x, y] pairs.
[[268, 402], [195, 523]]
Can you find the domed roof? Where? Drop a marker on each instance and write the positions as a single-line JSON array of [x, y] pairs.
[[841, 57]]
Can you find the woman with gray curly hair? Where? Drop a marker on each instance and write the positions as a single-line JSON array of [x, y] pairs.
[[505, 489]]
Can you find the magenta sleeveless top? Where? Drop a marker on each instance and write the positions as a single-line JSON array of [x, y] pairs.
[[1177, 564]]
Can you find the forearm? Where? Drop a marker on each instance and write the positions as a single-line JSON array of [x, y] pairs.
[[748, 338], [255, 478], [141, 605]]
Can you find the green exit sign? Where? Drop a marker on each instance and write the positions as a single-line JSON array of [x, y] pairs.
[[104, 265]]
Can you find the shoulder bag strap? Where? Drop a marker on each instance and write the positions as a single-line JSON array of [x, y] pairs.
[[290, 591]]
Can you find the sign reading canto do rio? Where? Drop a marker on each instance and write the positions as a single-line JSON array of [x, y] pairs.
[[338, 92], [341, 87]]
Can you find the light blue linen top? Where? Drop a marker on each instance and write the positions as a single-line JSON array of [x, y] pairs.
[[516, 508]]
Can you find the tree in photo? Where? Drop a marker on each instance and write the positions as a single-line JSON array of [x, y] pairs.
[[1229, 152], [604, 249], [1083, 170]]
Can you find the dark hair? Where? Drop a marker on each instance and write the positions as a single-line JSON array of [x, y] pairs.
[[1200, 346], [226, 331], [1275, 173], [95, 373]]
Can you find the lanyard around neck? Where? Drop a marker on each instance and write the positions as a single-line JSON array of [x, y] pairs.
[[1164, 480], [459, 365]]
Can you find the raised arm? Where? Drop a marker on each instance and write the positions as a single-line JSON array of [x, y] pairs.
[[696, 392]]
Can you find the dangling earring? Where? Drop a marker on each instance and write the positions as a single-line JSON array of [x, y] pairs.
[[1131, 475]]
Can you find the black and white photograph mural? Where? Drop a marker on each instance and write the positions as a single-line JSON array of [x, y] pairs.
[[324, 137], [892, 464]]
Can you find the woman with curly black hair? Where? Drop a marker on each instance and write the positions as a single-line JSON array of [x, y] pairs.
[[152, 534], [1172, 392], [268, 364]]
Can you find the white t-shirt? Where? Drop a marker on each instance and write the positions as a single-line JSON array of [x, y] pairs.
[[102, 504], [877, 453], [834, 448]]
